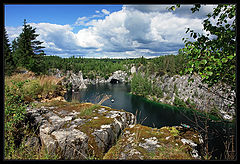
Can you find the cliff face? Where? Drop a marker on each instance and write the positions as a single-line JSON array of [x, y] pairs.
[[196, 93], [76, 81]]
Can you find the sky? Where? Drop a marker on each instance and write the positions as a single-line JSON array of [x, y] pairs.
[[106, 31]]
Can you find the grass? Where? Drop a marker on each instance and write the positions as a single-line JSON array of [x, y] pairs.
[[89, 111], [36, 87]]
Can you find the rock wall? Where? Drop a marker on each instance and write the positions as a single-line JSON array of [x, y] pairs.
[[77, 82], [195, 92], [119, 75]]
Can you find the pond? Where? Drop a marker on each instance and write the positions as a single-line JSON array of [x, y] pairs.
[[149, 113]]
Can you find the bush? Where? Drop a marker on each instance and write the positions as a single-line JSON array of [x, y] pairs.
[[15, 110]]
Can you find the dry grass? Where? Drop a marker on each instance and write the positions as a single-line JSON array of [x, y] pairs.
[[50, 80], [19, 78], [37, 87]]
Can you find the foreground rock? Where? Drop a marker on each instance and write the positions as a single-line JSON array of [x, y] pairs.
[[142, 142], [77, 131]]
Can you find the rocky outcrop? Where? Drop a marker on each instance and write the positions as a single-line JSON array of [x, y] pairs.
[[79, 131], [142, 142], [75, 80], [75, 130], [119, 76], [133, 70], [195, 93]]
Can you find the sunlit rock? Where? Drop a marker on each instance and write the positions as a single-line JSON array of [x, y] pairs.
[[65, 129], [142, 142]]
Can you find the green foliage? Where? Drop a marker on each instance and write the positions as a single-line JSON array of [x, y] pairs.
[[157, 91], [178, 102], [175, 89], [14, 115], [170, 64], [140, 85], [32, 88], [27, 50], [213, 56], [9, 65], [89, 111]]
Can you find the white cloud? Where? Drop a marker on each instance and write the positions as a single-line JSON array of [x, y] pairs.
[[13, 32], [106, 12], [81, 21], [87, 38], [61, 35], [134, 31]]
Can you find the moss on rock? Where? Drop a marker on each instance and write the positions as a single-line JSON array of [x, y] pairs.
[[142, 142], [84, 129]]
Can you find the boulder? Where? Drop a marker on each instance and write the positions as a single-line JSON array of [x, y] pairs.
[[142, 142], [77, 130], [133, 70]]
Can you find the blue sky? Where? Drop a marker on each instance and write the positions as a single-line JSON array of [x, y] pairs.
[[100, 31], [55, 14]]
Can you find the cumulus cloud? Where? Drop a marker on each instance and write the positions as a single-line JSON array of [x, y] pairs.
[[13, 32], [134, 31]]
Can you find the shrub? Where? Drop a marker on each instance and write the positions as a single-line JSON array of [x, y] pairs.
[[14, 115]]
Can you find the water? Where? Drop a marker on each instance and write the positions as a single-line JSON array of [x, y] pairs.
[[149, 113]]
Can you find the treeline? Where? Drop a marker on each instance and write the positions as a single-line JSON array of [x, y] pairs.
[[91, 68]]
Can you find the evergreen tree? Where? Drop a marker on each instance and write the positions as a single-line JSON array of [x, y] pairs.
[[28, 50], [9, 65]]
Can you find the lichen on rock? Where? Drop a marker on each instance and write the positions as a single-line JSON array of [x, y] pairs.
[[64, 129], [142, 142]]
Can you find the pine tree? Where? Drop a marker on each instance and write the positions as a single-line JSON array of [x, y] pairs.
[[9, 65], [28, 50]]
